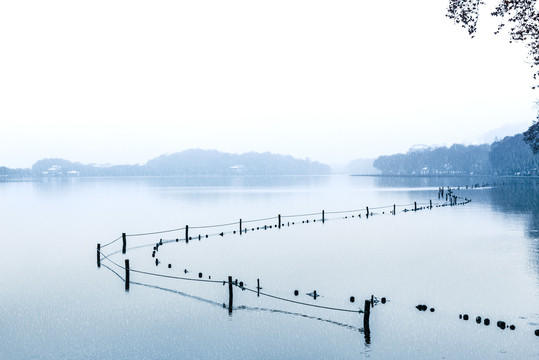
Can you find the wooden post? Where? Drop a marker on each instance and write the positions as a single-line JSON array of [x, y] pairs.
[[126, 274], [186, 234], [394, 209], [323, 216], [257, 287], [366, 327], [367, 212], [415, 206], [230, 295], [430, 203], [372, 300], [98, 255], [240, 227], [124, 240], [279, 220]]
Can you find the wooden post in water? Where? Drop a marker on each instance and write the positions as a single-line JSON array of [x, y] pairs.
[[124, 240], [415, 206], [279, 220], [186, 234], [230, 295], [367, 212], [323, 216], [394, 209], [257, 287], [98, 255], [126, 274], [366, 327], [430, 203], [240, 227]]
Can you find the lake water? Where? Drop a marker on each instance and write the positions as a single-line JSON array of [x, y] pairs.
[[479, 259]]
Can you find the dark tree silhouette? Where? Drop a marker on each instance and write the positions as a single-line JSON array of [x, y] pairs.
[[522, 17]]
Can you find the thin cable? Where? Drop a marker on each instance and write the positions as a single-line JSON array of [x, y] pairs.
[[302, 303], [344, 211], [165, 276], [257, 220], [300, 215], [112, 242], [156, 232], [213, 226]]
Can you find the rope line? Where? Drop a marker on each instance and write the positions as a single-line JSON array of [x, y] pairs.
[[302, 303], [166, 276], [156, 232], [112, 242], [213, 226]]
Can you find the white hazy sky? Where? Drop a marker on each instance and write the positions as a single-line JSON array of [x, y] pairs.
[[125, 81]]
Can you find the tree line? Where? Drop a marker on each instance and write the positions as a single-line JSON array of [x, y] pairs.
[[509, 156]]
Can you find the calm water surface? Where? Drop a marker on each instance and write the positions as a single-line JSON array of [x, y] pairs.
[[481, 259]]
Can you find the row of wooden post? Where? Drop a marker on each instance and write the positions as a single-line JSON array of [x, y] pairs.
[[124, 236], [366, 312]]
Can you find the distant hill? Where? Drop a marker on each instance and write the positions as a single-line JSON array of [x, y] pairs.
[[193, 162], [510, 156]]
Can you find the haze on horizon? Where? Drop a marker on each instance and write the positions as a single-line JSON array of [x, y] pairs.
[[125, 81]]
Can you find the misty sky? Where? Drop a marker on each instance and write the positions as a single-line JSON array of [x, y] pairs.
[[125, 81]]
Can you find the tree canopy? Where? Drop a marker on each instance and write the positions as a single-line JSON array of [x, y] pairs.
[[522, 17]]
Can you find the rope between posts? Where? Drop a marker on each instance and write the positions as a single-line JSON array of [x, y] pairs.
[[156, 232], [298, 215], [213, 226], [112, 242], [164, 276], [224, 282], [301, 303]]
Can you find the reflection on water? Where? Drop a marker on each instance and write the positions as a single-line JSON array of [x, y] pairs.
[[472, 259]]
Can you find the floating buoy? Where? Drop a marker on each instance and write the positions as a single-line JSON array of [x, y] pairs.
[[465, 317], [296, 293], [486, 322], [432, 310], [156, 262], [501, 324], [537, 332], [185, 271], [222, 234], [177, 240], [512, 327], [478, 319], [169, 266], [241, 284], [460, 316], [352, 299], [153, 254], [384, 300], [200, 275]]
